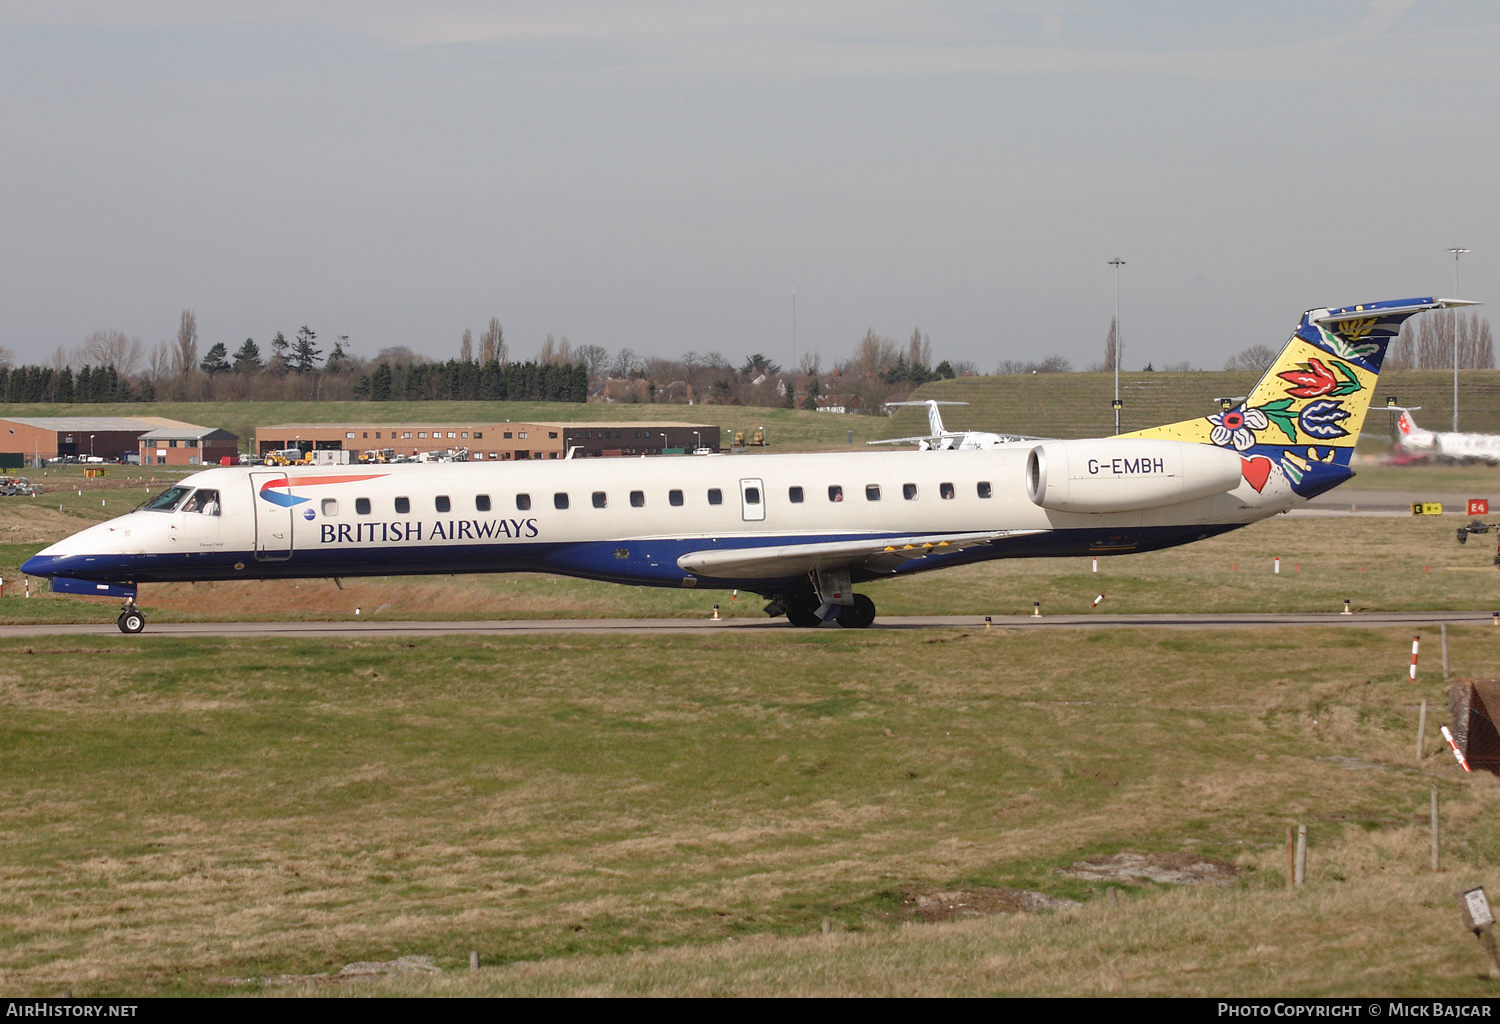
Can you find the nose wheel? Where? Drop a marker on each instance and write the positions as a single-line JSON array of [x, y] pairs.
[[131, 621]]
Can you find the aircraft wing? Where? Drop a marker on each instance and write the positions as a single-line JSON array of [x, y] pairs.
[[908, 440], [881, 554]]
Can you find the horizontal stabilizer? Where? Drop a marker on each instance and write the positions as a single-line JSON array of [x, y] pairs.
[[880, 553]]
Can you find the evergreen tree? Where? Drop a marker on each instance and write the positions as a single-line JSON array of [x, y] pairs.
[[304, 353], [337, 359], [247, 359], [280, 349], [215, 361], [380, 383]]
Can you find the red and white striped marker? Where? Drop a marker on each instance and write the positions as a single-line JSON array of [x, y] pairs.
[[1458, 754], [1096, 601], [28, 586], [1416, 642]]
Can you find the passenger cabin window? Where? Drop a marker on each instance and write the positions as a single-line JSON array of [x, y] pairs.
[[945, 491], [560, 500], [872, 492], [637, 499], [715, 496], [523, 502], [403, 505], [362, 506], [835, 492], [674, 498], [752, 495], [330, 506], [909, 492], [167, 500], [443, 504], [794, 495], [482, 502], [984, 488], [600, 501]]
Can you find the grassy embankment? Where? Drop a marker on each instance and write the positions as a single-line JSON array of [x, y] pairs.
[[678, 815]]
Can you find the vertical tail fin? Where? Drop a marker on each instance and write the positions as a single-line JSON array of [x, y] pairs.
[[1305, 414]]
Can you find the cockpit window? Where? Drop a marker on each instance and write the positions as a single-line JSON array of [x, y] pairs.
[[206, 502], [167, 500]]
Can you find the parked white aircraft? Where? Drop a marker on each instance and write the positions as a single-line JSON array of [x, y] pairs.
[[938, 438], [800, 530], [1444, 445]]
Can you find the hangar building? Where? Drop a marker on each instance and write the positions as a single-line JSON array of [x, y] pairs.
[[39, 438]]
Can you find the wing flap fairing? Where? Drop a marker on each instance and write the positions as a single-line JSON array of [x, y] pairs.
[[781, 560]]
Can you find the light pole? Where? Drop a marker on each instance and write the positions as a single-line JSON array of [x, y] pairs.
[[664, 442], [1117, 263], [697, 440], [1456, 254], [91, 446]]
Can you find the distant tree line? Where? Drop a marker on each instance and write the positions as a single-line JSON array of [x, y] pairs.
[[44, 384], [462, 380]]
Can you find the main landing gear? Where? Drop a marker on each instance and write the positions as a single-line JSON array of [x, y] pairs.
[[804, 611], [131, 620]]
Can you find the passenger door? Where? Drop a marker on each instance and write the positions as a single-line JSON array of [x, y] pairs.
[[273, 516], [752, 501]]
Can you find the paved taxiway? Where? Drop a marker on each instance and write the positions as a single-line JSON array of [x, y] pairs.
[[524, 627]]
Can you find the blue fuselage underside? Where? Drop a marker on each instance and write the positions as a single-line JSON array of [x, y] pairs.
[[640, 563]]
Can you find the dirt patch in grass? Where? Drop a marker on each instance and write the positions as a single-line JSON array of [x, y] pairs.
[[1166, 868], [952, 904]]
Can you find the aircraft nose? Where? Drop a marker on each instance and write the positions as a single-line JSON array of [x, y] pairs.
[[41, 564]]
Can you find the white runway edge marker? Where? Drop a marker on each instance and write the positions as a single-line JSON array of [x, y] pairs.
[[1457, 754], [1416, 642], [1277, 570], [1096, 565], [1096, 601]]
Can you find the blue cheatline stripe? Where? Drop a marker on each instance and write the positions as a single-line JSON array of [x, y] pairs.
[[645, 563]]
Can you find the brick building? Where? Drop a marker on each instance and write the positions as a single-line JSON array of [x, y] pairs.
[[187, 445], [486, 442], [39, 438]]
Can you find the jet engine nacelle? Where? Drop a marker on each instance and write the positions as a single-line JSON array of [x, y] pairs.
[[1121, 475]]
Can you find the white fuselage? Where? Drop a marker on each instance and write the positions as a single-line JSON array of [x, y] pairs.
[[625, 520]]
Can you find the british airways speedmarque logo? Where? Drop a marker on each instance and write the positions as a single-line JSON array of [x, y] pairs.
[[279, 491]]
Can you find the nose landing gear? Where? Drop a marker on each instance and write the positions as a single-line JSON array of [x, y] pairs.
[[131, 620]]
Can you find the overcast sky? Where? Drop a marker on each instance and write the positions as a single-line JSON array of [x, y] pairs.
[[661, 175]]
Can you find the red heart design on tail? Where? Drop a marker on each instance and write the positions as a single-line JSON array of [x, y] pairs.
[[1256, 471]]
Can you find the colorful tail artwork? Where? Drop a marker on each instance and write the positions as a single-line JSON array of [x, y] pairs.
[[1304, 416]]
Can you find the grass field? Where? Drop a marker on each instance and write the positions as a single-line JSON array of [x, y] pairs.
[[681, 814]]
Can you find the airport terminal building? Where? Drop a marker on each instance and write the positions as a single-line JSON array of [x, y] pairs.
[[493, 442]]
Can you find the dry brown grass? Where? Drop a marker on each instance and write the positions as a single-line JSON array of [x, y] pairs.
[[621, 809]]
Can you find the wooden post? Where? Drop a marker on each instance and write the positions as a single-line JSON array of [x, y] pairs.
[[473, 960], [1291, 859], [1301, 855], [1434, 831], [1445, 652], [1422, 730]]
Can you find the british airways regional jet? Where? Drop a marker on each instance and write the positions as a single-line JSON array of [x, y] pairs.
[[800, 530]]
